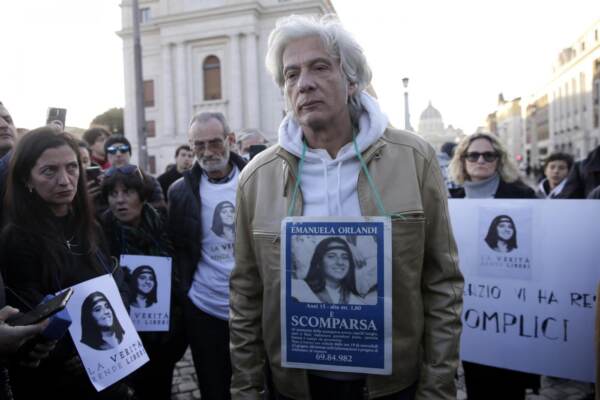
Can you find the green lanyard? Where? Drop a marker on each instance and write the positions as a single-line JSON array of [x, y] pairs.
[[363, 166]]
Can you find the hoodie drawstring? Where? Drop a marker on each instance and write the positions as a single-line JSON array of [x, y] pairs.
[[363, 165]]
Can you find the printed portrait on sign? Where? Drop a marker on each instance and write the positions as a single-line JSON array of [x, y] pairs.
[[100, 327], [331, 274], [502, 234], [223, 224], [143, 287], [505, 242]]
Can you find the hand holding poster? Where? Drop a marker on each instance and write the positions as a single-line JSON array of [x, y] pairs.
[[531, 270], [151, 291], [104, 336], [336, 294]]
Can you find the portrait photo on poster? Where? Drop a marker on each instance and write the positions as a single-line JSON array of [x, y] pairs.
[[104, 336], [505, 242], [150, 291], [100, 327], [144, 287], [334, 269]]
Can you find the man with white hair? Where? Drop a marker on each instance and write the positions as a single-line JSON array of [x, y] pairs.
[[337, 156], [201, 226]]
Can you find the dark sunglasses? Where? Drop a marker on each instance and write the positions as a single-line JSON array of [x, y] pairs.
[[121, 148], [488, 156], [125, 170]]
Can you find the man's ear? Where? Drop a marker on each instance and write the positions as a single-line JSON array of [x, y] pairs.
[[352, 87], [230, 138]]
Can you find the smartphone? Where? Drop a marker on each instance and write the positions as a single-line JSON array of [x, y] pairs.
[[56, 115], [92, 173], [43, 310]]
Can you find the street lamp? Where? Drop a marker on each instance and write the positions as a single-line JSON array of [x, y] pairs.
[[406, 113]]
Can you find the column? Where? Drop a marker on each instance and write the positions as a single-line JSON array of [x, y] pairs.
[[181, 97], [252, 110], [168, 103], [236, 112]]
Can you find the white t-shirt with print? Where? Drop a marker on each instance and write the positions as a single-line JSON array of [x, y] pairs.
[[210, 285]]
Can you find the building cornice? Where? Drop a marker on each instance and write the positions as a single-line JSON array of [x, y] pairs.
[[231, 11]]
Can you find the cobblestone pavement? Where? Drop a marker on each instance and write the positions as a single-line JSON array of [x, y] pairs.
[[185, 385]]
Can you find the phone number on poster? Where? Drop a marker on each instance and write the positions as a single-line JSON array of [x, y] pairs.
[[333, 357]]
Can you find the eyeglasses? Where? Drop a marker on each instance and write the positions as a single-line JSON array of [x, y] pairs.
[[123, 148], [212, 145], [125, 170], [488, 156]]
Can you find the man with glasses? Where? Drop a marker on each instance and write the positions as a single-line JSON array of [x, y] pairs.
[[200, 214]]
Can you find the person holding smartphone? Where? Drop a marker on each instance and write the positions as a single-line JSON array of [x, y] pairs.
[[51, 242]]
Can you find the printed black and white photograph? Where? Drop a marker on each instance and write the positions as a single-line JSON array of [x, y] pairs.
[[505, 242], [334, 269], [104, 336], [223, 223], [502, 234], [143, 287], [150, 291], [100, 327]]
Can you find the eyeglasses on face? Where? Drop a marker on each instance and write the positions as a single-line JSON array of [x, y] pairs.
[[212, 145], [125, 170], [488, 156], [123, 148]]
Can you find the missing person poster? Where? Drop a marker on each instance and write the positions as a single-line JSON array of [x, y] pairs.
[[336, 294], [531, 271], [103, 333], [150, 302]]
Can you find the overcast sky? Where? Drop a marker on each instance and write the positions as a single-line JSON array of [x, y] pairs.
[[458, 54]]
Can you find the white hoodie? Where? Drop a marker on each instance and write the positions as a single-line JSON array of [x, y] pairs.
[[329, 185]]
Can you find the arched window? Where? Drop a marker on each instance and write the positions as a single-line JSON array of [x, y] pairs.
[[211, 67]]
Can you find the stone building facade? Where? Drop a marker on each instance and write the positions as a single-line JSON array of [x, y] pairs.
[[204, 55]]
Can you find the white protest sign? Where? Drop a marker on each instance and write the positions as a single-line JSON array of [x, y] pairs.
[[531, 270], [150, 301], [103, 333]]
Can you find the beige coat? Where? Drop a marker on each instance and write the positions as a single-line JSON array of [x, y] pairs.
[[427, 285]]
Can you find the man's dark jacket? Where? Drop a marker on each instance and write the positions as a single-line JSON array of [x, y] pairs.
[[167, 179], [583, 178], [185, 221]]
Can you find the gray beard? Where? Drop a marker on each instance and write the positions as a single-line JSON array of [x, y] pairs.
[[213, 166]]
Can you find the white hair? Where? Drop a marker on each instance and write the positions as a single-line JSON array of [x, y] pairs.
[[338, 43]]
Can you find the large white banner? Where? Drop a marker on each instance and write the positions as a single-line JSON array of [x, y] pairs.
[[531, 268]]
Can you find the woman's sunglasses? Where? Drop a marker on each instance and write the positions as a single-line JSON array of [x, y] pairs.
[[123, 148], [125, 170], [488, 156]]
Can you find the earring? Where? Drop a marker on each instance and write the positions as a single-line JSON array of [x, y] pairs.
[[30, 189]]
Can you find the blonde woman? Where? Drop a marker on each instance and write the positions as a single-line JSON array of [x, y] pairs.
[[481, 165]]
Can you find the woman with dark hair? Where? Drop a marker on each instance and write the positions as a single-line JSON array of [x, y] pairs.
[[331, 273], [144, 287], [223, 224], [100, 327], [51, 242], [133, 226], [502, 234]]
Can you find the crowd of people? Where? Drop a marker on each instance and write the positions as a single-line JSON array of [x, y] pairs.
[[72, 208]]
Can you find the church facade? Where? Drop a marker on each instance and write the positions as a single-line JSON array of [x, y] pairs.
[[204, 55]]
